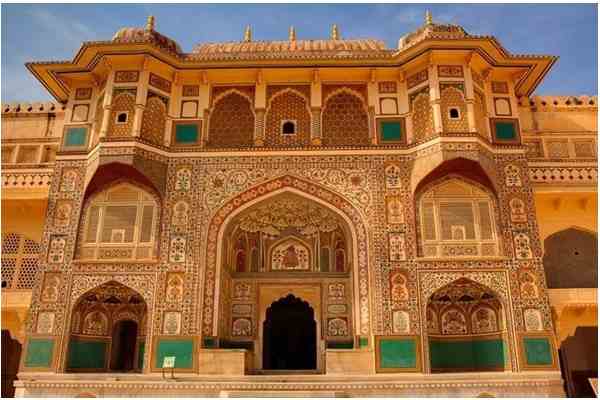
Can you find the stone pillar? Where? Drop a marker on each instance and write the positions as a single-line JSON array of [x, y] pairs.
[[372, 104], [260, 105], [315, 126], [140, 99], [174, 107], [470, 100], [107, 103], [434, 98], [259, 127], [203, 105], [316, 108]]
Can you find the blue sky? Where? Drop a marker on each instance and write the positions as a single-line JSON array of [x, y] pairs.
[[43, 32]]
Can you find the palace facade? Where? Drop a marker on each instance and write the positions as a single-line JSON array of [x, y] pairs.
[[308, 217]]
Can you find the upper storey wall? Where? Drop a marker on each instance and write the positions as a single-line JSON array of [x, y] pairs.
[[559, 114], [29, 121]]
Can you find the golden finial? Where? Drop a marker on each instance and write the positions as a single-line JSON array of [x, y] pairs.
[[292, 34], [335, 34], [428, 18], [150, 23], [248, 34]]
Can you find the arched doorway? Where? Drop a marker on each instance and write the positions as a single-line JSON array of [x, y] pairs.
[[123, 340], [107, 330], [290, 336], [466, 329]]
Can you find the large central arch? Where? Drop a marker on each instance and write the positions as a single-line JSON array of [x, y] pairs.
[[311, 191]]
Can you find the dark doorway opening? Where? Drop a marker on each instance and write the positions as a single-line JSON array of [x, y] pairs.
[[290, 336], [579, 361], [11, 354], [123, 346]]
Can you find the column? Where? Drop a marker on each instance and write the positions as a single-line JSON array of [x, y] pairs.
[[470, 100], [434, 98], [315, 108], [107, 103]]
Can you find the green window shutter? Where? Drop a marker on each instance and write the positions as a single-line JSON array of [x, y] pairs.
[[39, 353], [87, 354], [391, 131], [141, 349], [363, 342], [182, 350], [75, 137], [538, 351], [186, 133], [398, 353], [505, 131]]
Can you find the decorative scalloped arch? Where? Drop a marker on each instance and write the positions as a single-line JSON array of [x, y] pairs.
[[330, 199]]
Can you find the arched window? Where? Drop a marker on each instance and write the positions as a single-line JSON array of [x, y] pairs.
[[457, 220], [119, 223]]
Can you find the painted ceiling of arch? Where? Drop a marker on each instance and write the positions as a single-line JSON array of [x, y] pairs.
[[276, 216], [462, 291], [112, 292]]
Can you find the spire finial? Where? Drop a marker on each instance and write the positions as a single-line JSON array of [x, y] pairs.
[[428, 18], [292, 34], [248, 34], [150, 23], [335, 34]]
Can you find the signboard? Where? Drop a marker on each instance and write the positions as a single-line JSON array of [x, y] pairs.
[[169, 362]]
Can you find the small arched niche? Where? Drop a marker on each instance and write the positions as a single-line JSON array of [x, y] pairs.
[[108, 330], [466, 329]]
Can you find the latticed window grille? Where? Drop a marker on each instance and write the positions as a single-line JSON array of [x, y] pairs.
[[19, 261], [457, 220], [120, 223]]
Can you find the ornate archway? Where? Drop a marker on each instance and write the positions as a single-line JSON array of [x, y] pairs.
[[108, 330], [142, 285], [496, 282], [320, 195]]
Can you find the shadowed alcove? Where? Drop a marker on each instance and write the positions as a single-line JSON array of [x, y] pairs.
[[290, 336]]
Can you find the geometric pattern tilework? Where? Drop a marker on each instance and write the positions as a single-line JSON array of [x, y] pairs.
[[422, 115], [232, 117], [154, 119], [452, 98], [123, 102], [345, 118], [231, 122], [288, 103], [214, 187]]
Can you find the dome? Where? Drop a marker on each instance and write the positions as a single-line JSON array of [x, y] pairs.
[[146, 35]]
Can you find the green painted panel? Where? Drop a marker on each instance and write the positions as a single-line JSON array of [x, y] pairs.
[[141, 349], [398, 353], [39, 353], [182, 350], [505, 131], [476, 354], [75, 136], [538, 351], [339, 345], [186, 133], [391, 131], [488, 353], [363, 342], [209, 342], [87, 354]]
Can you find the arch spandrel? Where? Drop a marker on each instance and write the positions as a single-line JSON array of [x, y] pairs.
[[254, 195], [142, 284]]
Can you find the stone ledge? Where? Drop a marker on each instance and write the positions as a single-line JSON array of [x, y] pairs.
[[534, 384]]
